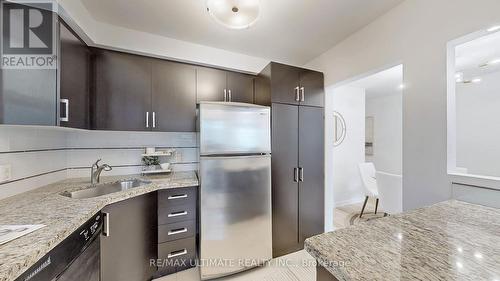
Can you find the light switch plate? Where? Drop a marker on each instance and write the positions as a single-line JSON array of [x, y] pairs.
[[5, 173]]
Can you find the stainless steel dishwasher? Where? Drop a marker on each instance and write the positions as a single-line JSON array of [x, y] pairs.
[[76, 258]]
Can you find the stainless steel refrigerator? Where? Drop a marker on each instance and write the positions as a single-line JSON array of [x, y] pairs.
[[235, 187]]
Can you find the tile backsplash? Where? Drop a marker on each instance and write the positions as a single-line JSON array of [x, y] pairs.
[[43, 155]]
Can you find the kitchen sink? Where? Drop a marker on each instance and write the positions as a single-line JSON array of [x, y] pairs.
[[106, 188]]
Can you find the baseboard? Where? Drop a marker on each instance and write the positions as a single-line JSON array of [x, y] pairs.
[[348, 202]]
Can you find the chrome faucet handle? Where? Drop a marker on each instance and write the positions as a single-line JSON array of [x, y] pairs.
[[96, 164], [106, 167]]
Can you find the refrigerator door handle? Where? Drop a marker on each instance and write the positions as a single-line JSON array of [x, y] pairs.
[[301, 174], [295, 174]]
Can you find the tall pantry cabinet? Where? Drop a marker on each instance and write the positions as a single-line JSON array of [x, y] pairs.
[[296, 96]]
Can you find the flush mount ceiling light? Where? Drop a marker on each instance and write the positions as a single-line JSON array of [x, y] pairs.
[[494, 28], [490, 63], [474, 81], [235, 14]]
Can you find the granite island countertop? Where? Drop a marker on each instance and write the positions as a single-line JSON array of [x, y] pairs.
[[63, 215], [451, 240]]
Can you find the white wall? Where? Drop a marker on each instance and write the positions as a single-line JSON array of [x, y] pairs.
[[414, 33], [342, 169], [478, 132], [106, 35], [387, 113]]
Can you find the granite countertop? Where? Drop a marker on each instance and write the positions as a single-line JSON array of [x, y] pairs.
[[63, 215], [451, 240]]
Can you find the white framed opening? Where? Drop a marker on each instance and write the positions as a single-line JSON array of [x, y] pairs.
[[473, 108]]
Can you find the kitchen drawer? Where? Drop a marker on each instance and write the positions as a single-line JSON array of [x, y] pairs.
[[172, 214], [177, 255], [176, 231], [177, 196]]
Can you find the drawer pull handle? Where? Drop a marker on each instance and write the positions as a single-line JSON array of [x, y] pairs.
[[177, 214], [177, 231], [177, 254], [173, 197]]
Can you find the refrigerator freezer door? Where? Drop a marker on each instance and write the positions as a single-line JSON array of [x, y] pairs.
[[235, 207], [234, 128]]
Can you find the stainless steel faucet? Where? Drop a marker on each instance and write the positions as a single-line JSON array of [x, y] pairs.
[[95, 173]]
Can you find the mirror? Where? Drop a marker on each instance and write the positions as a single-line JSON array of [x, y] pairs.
[[339, 128]]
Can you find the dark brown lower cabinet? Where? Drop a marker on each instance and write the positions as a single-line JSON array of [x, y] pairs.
[[311, 172], [285, 188], [323, 275], [128, 242], [177, 230], [298, 175]]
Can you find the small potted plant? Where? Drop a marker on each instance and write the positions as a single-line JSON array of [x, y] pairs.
[[150, 162]]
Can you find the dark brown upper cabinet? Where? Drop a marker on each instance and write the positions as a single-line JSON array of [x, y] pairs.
[[210, 84], [279, 83], [285, 83], [219, 85], [122, 91], [74, 80], [240, 87], [312, 88], [174, 97], [137, 93]]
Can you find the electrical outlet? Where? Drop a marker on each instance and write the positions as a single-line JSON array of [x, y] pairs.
[[5, 173]]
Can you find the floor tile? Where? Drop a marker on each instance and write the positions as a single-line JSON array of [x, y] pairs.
[[297, 266], [265, 273], [171, 277], [192, 274]]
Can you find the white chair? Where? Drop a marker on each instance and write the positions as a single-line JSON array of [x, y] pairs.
[[390, 187], [368, 177]]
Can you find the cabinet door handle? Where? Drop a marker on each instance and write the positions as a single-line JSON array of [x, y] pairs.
[[297, 94], [303, 95], [66, 110], [177, 254], [295, 174], [225, 95], [147, 119], [180, 196], [154, 119], [177, 231], [230, 96], [301, 174], [177, 214], [105, 227]]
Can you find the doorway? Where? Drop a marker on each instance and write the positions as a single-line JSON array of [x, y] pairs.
[[364, 122]]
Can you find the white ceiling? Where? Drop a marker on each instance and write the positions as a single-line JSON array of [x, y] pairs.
[[470, 57], [384, 83], [292, 31]]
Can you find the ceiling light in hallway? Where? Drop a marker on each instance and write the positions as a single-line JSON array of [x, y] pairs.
[[494, 28], [235, 14]]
